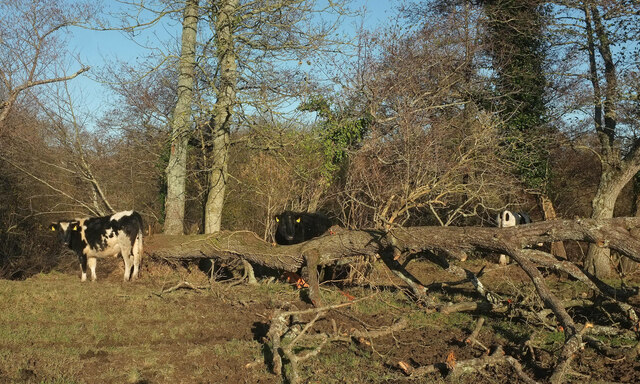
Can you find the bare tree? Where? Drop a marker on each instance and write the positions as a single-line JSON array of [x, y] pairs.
[[347, 246], [591, 38], [276, 165], [433, 154], [65, 167], [51, 151], [253, 43], [32, 48], [246, 51]]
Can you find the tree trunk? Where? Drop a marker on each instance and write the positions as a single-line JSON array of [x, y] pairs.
[[612, 181], [350, 246], [180, 124], [627, 265], [220, 122], [217, 179], [557, 247], [597, 260]]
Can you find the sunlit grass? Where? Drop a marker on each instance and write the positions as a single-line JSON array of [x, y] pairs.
[[436, 320], [53, 327]]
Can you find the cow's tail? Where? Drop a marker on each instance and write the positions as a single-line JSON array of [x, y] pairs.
[[139, 242]]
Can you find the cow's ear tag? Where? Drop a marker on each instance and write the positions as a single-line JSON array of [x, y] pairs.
[[298, 220], [75, 227], [52, 227], [277, 220]]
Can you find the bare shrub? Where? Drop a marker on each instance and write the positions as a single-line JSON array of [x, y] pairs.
[[273, 169], [433, 155]]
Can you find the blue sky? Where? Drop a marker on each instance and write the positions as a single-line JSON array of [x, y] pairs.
[[99, 49]]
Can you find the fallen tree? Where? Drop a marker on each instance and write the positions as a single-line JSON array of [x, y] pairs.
[[344, 247], [617, 234]]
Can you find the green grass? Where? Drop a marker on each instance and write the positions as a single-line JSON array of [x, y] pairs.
[[437, 320], [55, 329], [382, 302], [552, 340], [616, 341], [236, 348], [335, 365], [509, 330]]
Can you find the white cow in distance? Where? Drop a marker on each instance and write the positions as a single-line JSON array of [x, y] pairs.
[[507, 219]]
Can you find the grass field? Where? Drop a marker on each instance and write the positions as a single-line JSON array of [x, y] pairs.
[[55, 329]]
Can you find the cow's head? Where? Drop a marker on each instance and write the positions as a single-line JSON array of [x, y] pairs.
[[66, 230], [506, 219], [288, 223]]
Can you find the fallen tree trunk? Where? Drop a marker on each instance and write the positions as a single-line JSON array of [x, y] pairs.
[[341, 247], [332, 249]]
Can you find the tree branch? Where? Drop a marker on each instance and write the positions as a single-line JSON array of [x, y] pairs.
[[6, 105]]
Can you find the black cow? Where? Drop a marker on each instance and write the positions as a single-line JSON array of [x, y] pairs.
[[297, 227], [96, 237]]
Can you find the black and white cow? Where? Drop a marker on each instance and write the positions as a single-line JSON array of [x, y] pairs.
[[297, 227], [511, 219], [507, 219], [97, 237]]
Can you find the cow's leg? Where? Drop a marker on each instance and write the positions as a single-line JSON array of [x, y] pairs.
[[136, 266], [91, 262], [136, 251], [126, 256], [83, 266]]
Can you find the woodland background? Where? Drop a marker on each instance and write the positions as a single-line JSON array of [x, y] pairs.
[[446, 114], [411, 136]]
